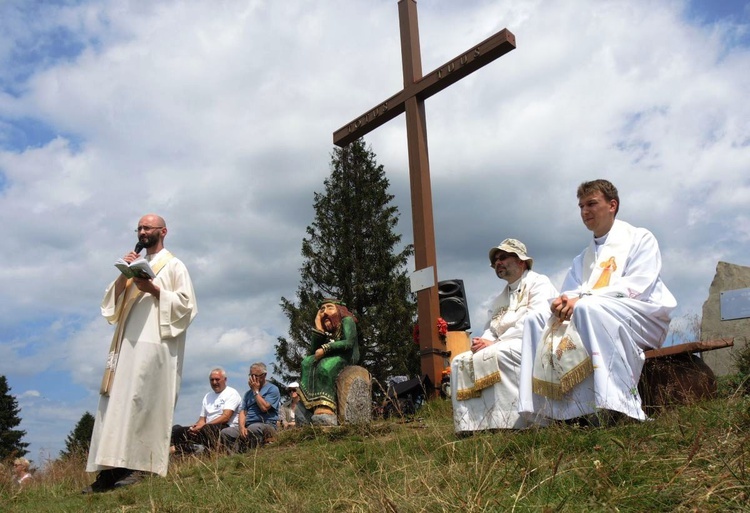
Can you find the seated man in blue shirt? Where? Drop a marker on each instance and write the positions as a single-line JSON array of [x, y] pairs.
[[259, 412]]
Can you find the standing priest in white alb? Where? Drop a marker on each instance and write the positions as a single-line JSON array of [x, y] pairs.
[[142, 377], [484, 388], [586, 357]]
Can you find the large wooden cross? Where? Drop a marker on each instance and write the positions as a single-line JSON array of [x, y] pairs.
[[411, 100]]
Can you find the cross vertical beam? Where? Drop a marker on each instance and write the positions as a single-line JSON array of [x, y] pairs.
[[425, 255]]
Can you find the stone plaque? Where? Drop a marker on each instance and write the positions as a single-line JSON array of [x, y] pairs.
[[735, 304], [729, 277]]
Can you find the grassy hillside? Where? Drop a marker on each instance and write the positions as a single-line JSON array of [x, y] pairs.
[[687, 459]]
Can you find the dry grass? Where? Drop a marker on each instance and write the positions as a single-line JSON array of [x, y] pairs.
[[688, 459]]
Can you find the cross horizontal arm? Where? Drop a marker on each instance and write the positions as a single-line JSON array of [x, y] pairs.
[[452, 71]]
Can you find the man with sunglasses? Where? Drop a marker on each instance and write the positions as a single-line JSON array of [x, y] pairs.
[[484, 380]]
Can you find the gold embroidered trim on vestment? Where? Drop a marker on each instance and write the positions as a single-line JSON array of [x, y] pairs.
[[487, 381], [467, 393], [557, 391]]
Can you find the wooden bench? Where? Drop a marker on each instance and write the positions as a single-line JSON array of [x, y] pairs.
[[674, 375]]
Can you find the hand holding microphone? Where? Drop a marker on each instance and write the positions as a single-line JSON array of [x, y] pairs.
[[133, 255]]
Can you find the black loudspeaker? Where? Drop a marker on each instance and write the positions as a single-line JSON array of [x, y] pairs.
[[453, 305]]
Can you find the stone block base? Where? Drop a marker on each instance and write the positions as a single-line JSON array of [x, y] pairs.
[[354, 389]]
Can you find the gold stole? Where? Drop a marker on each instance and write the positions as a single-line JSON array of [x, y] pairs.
[[482, 370], [608, 268], [561, 362], [130, 296], [599, 270]]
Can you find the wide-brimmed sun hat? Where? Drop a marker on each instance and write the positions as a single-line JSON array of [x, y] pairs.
[[514, 246]]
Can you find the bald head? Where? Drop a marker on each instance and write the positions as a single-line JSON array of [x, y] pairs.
[[151, 232], [152, 220]]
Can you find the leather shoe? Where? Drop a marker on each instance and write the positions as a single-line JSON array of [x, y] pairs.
[[105, 480], [132, 478]]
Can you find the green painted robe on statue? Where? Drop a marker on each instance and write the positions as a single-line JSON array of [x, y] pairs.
[[318, 383]]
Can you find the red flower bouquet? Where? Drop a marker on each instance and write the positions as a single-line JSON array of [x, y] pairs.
[[442, 327]]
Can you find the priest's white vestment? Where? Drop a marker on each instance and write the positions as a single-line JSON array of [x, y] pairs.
[[133, 423], [484, 385], [623, 309]]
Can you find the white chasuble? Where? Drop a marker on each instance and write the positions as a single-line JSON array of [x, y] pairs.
[[484, 385]]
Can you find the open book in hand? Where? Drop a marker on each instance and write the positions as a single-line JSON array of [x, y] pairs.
[[138, 268]]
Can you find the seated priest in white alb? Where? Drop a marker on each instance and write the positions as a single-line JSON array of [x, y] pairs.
[[583, 359], [484, 380]]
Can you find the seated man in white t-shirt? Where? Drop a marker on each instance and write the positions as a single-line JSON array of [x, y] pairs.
[[219, 410]]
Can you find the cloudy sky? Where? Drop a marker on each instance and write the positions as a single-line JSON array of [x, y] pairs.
[[219, 116]]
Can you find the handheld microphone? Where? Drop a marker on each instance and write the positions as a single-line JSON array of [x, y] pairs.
[[138, 247]]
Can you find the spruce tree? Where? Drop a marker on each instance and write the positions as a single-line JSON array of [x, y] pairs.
[[351, 253], [79, 439], [11, 445]]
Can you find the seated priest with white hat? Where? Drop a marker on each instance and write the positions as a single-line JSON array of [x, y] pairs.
[[484, 380]]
